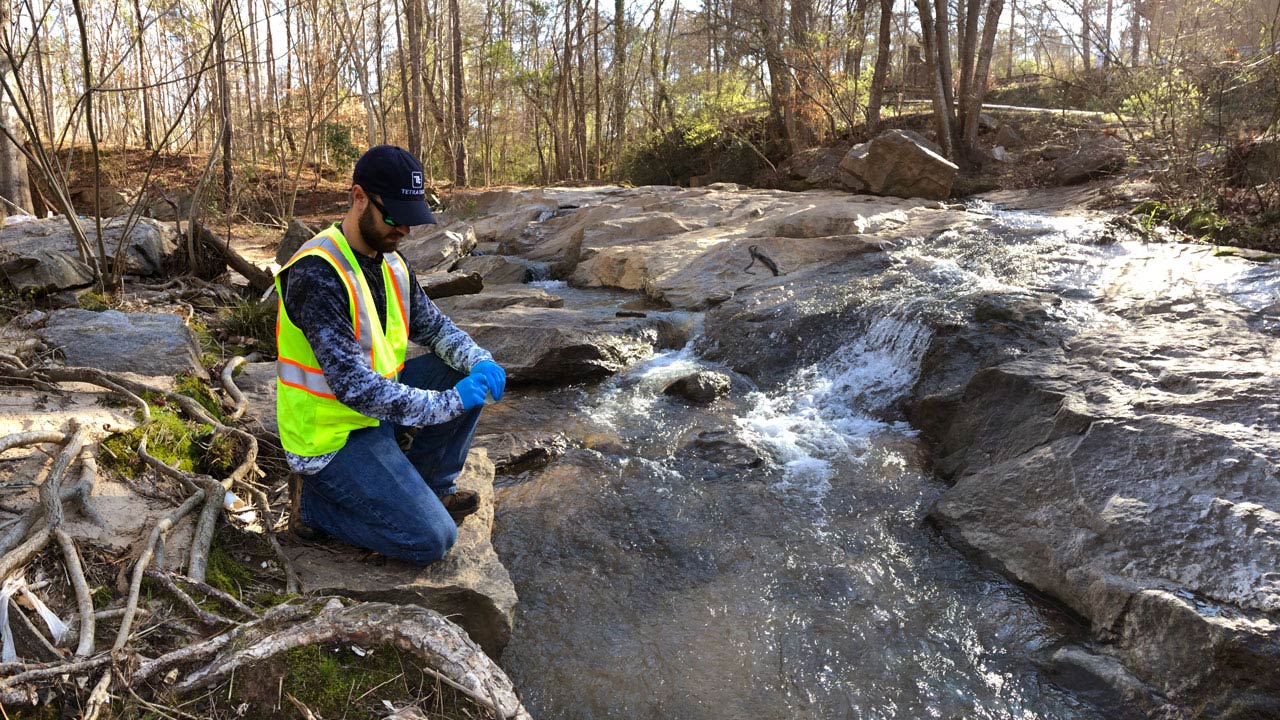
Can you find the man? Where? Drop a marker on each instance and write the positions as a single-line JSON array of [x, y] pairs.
[[345, 397]]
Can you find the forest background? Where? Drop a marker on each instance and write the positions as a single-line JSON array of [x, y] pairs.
[[265, 96]]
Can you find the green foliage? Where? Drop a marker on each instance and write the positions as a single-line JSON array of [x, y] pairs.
[[337, 139], [1200, 219], [1169, 98], [198, 389], [727, 152]]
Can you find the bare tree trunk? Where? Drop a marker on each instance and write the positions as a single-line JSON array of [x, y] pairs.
[[413, 111], [460, 176], [942, 40], [224, 100], [973, 103], [941, 114], [142, 75], [1086, 55], [881, 72], [619, 80], [1106, 43], [1013, 17], [1135, 34]]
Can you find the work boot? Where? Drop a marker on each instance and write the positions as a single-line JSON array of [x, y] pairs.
[[300, 529], [460, 504]]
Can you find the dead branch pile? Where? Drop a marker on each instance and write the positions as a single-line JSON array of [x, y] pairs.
[[113, 651]]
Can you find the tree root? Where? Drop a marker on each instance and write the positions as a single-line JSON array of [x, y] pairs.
[[83, 598], [161, 528], [443, 646], [205, 617], [229, 383]]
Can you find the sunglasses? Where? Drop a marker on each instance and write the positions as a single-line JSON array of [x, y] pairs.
[[386, 218]]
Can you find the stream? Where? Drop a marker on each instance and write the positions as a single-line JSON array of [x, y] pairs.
[[768, 557]]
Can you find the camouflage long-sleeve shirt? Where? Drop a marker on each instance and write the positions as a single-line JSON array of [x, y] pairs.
[[316, 301]]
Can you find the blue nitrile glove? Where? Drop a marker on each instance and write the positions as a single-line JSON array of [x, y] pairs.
[[493, 374], [471, 389]]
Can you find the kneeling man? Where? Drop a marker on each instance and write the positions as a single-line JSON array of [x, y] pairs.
[[347, 401]]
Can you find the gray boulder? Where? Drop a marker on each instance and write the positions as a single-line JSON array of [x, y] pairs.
[[899, 163], [40, 256], [297, 233], [700, 388], [1095, 158], [447, 284], [470, 585], [436, 248], [140, 343], [494, 269]]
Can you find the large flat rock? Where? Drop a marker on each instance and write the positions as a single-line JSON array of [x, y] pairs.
[[470, 585], [156, 344]]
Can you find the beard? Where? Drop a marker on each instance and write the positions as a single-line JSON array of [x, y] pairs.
[[376, 235]]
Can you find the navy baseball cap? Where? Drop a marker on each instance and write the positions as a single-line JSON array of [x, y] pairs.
[[395, 176]]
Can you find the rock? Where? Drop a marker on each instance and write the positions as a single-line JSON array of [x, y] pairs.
[[40, 256], [516, 451], [446, 284], [1106, 683], [436, 248], [258, 383], [502, 215], [1055, 151], [1126, 474], [141, 343], [297, 233], [1007, 136], [700, 388], [1095, 158], [1000, 155], [494, 269], [988, 122], [723, 447], [556, 345], [470, 586], [501, 297], [111, 202], [899, 163], [815, 167]]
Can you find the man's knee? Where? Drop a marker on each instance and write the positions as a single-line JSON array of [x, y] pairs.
[[432, 544]]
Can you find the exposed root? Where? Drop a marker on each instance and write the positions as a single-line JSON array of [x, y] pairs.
[[84, 600], [204, 616], [441, 645], [229, 383]]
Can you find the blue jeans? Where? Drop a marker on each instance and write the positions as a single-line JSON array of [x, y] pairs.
[[373, 495]]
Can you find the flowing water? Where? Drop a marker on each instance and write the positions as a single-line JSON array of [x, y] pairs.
[[658, 579]]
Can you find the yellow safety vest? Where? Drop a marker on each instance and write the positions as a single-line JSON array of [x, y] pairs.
[[311, 420]]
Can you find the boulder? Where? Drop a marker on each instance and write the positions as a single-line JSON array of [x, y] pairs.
[[700, 388], [557, 345], [140, 343], [494, 269], [1127, 471], [1096, 157], [1007, 136], [470, 585], [502, 215], [501, 297], [40, 256], [723, 447], [899, 163], [815, 167], [436, 248], [447, 284], [297, 233]]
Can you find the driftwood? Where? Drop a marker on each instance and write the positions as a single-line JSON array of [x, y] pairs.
[[259, 280]]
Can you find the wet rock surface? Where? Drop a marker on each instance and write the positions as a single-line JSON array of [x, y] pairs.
[[701, 388]]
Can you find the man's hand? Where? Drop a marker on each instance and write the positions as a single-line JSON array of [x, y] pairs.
[[494, 376], [472, 389]]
